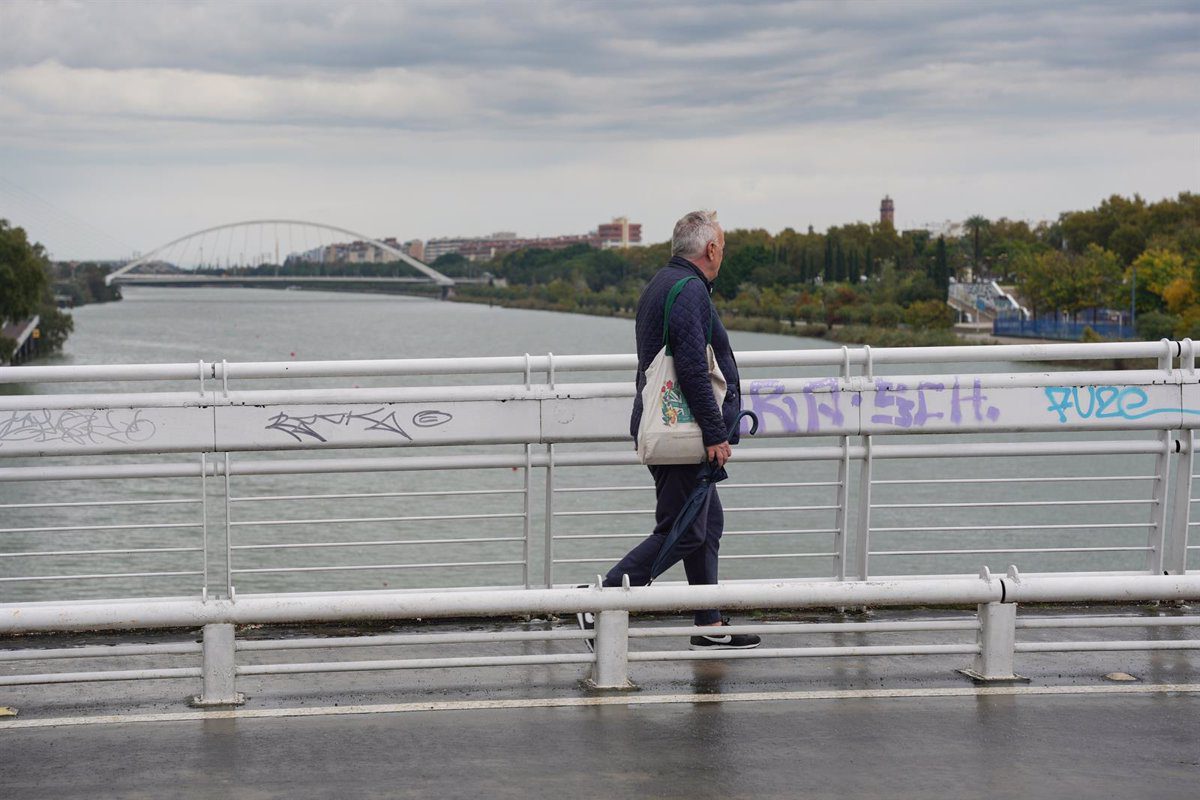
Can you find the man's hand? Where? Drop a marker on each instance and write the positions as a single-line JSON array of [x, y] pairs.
[[719, 453]]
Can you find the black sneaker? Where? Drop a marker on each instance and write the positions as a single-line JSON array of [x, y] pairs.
[[587, 621], [728, 641]]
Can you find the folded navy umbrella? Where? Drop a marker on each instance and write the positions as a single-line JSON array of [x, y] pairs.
[[711, 474]]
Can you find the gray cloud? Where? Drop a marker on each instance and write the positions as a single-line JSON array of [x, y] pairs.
[[805, 111], [600, 67]]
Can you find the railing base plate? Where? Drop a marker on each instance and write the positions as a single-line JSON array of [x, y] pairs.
[[592, 686], [196, 701], [980, 678]]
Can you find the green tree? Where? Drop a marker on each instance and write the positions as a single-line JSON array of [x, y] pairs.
[[929, 314], [976, 226], [23, 274]]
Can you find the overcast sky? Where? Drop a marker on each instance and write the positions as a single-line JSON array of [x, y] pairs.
[[147, 121]]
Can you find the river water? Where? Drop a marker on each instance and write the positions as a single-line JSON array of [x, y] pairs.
[[185, 325]]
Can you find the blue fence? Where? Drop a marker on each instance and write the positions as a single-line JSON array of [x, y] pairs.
[[1060, 327]]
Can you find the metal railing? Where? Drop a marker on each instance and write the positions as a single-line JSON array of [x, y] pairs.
[[994, 648], [194, 491]]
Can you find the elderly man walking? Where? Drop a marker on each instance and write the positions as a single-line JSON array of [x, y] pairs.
[[697, 247]]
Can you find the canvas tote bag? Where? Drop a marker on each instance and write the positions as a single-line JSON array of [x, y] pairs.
[[668, 432]]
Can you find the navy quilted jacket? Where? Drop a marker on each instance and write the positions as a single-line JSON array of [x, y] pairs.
[[688, 331]]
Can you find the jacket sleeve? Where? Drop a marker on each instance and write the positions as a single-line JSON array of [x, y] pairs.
[[688, 331]]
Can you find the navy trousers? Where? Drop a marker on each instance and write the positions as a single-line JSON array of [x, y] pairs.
[[698, 548]]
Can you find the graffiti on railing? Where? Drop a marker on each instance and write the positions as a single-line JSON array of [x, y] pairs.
[[892, 403], [431, 418], [778, 410], [76, 426], [1105, 402], [319, 427]]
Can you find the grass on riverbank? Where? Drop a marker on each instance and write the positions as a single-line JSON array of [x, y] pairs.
[[846, 334]]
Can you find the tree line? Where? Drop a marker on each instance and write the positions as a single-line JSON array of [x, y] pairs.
[[31, 286], [865, 276]]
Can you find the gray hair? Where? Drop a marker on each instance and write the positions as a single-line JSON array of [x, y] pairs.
[[693, 233]]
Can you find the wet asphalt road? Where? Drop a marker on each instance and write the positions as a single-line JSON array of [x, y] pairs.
[[1120, 746], [670, 739]]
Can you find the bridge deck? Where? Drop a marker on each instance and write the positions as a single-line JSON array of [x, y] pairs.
[[848, 727]]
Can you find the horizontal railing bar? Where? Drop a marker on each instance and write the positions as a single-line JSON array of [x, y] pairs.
[[1013, 449], [782, 531], [94, 503], [1107, 622], [1017, 503], [1047, 479], [347, 520], [742, 595], [800, 531], [807, 652], [107, 675], [728, 510], [724, 556], [971, 624], [379, 543], [103, 651], [1076, 647], [1031, 528], [391, 640], [608, 362], [128, 551], [322, 466], [358, 567], [752, 556], [100, 576], [580, 489], [789, 485], [1013, 550], [416, 663], [360, 495], [724, 487], [106, 372], [138, 527]]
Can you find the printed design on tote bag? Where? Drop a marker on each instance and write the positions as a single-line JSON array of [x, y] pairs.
[[674, 407]]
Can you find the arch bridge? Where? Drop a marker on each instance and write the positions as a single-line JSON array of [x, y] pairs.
[[278, 251]]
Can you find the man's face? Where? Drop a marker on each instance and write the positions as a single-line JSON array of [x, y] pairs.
[[716, 250]]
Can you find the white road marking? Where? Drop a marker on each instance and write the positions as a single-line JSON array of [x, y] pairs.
[[608, 700]]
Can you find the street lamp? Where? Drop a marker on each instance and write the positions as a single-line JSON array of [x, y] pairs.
[[1133, 302]]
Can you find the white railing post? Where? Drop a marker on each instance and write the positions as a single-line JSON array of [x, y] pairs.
[[997, 642], [611, 670], [228, 542], [1157, 536], [219, 669], [548, 565], [1174, 551], [1175, 547], [204, 524], [841, 520], [527, 508], [1162, 466], [862, 537]]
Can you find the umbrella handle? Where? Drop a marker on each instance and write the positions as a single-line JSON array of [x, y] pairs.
[[737, 420]]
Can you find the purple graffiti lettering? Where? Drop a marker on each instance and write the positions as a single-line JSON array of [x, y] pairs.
[[923, 414], [767, 400], [888, 395], [816, 409], [976, 398]]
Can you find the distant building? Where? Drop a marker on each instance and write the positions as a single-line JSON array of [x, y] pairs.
[[618, 233], [887, 211]]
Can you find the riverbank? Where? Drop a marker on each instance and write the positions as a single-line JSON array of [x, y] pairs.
[[846, 334]]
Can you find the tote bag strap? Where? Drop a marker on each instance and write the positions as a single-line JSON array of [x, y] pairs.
[[671, 296]]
